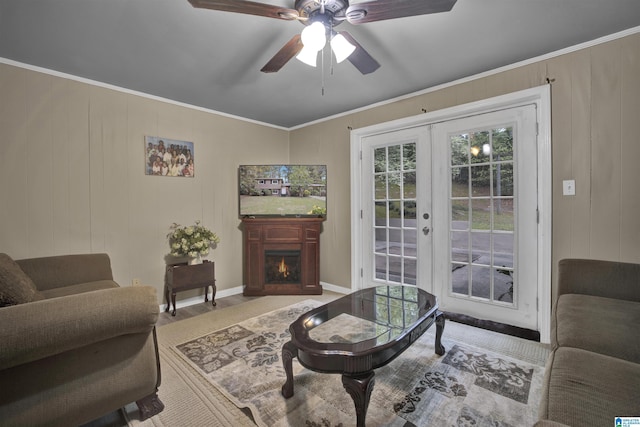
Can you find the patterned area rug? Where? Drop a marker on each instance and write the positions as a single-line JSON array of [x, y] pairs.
[[470, 385]]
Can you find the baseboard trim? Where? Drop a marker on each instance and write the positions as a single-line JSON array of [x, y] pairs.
[[238, 290]]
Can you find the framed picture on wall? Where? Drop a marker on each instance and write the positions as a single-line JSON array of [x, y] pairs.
[[168, 157]]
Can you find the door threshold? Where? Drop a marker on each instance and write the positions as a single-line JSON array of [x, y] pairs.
[[489, 325]]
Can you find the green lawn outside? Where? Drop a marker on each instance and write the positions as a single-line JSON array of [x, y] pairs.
[[270, 205], [481, 217]]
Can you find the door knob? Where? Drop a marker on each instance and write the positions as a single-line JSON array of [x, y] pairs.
[[425, 231]]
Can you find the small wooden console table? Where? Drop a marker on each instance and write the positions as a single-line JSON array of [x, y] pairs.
[[182, 277]]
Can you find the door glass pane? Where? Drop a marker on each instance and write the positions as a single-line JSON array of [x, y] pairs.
[[502, 250], [459, 214], [381, 187], [395, 242], [380, 160], [395, 226], [503, 214], [395, 160], [459, 149], [409, 213], [460, 244], [394, 184], [409, 157], [460, 280], [380, 214], [502, 145], [409, 187], [381, 267], [480, 282], [480, 176], [460, 181], [481, 214], [410, 271], [479, 147], [482, 218], [502, 179], [503, 284]]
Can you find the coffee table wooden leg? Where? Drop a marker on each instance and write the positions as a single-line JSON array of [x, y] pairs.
[[439, 329], [289, 351], [360, 388]]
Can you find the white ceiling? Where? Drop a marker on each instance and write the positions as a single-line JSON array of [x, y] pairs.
[[212, 59]]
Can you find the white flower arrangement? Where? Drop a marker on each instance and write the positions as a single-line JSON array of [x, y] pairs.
[[192, 241]]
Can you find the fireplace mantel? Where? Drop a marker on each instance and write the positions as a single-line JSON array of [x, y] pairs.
[[277, 235]]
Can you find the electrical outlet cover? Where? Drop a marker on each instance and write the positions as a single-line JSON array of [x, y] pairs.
[[569, 187]]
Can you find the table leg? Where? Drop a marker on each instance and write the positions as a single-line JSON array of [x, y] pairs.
[[213, 295], [173, 301], [439, 329], [289, 351], [359, 387]]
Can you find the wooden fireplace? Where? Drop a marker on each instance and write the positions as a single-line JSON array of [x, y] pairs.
[[282, 256]]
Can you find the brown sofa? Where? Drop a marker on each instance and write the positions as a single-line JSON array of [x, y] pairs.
[[75, 345], [593, 371]]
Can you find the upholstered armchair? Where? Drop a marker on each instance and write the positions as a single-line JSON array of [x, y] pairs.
[[75, 345]]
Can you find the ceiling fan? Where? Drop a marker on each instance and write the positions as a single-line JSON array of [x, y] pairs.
[[320, 17]]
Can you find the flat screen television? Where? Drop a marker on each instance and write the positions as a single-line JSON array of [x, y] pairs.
[[282, 190]]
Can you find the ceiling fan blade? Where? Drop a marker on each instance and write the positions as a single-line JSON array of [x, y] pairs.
[[248, 7], [360, 58], [379, 10], [283, 56]]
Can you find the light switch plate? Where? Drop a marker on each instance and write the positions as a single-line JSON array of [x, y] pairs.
[[569, 187]]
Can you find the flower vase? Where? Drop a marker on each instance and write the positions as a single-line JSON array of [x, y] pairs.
[[195, 261]]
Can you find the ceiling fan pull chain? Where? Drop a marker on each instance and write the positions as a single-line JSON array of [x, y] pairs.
[[330, 55], [322, 64]]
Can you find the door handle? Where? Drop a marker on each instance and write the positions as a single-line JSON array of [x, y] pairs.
[[425, 231]]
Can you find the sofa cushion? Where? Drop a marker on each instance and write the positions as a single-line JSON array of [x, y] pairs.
[[79, 288], [603, 325], [583, 388], [15, 286]]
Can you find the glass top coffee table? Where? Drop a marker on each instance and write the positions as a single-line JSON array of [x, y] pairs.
[[358, 333]]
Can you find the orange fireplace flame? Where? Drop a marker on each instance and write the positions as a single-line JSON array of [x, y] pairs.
[[282, 268]]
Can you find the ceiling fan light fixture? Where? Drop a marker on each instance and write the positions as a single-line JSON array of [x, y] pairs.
[[314, 36], [308, 56], [341, 47]]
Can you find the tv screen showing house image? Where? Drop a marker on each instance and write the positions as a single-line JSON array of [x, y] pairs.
[[282, 190]]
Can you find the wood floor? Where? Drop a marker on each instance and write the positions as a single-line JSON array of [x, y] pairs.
[[187, 312]]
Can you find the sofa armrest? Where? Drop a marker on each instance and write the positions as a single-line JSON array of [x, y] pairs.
[[63, 270], [609, 279], [45, 328]]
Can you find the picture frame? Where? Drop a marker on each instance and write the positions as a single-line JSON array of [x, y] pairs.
[[169, 157]]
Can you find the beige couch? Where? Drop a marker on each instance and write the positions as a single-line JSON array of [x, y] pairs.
[[75, 345], [593, 372]]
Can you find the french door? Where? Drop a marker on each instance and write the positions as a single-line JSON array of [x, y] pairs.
[[398, 204], [487, 216], [451, 204]]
